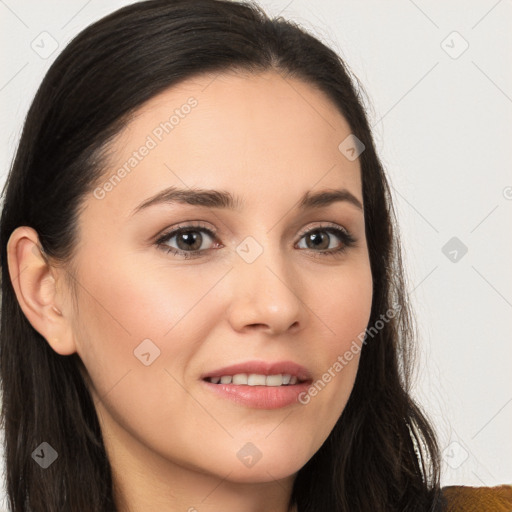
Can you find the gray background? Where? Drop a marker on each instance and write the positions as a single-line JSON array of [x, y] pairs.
[[439, 82]]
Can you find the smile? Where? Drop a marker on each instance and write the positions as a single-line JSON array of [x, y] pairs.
[[255, 379]]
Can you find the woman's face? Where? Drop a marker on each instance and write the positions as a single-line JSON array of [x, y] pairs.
[[260, 288]]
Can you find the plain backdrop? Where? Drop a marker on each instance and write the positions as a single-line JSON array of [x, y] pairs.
[[439, 84]]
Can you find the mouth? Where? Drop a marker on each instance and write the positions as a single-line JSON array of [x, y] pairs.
[[259, 384], [259, 373], [257, 379]]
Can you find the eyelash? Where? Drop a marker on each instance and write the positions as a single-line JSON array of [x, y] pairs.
[[347, 239]]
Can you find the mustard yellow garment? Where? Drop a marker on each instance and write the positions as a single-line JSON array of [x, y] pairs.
[[478, 499]]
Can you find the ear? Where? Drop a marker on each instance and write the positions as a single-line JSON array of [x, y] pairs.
[[34, 283]]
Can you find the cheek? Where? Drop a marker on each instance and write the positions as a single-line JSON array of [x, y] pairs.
[[345, 306], [345, 312], [127, 313], [137, 300], [156, 317]]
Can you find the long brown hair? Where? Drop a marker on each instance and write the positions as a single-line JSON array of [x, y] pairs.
[[382, 454]]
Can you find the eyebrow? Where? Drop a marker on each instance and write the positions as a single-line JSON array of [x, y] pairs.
[[224, 199]]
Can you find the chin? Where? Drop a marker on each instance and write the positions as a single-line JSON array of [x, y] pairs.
[[263, 472], [273, 465]]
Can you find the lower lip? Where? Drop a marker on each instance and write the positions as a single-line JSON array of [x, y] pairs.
[[259, 397]]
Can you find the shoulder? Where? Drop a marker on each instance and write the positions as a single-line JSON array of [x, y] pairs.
[[461, 498]]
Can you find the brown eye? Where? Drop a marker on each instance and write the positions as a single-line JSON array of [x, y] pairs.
[[317, 240], [320, 238], [189, 240]]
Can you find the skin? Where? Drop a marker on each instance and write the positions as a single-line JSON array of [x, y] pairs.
[[172, 444]]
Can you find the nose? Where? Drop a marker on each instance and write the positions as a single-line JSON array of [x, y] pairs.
[[266, 295]]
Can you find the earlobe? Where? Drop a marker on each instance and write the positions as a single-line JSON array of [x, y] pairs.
[[33, 281]]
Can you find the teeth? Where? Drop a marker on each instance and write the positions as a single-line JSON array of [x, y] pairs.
[[255, 379], [240, 378], [274, 380]]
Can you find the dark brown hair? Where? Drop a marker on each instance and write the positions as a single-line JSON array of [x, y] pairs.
[[382, 454]]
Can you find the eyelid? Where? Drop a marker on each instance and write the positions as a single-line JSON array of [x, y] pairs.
[[322, 225], [192, 224], [348, 239], [187, 225]]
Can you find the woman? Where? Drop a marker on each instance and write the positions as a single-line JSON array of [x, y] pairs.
[[203, 302]]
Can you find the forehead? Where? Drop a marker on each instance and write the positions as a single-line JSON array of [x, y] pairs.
[[262, 133]]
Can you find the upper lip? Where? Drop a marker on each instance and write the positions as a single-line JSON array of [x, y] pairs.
[[262, 368]]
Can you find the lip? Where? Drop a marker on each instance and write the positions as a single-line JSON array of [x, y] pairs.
[[262, 368], [260, 397]]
